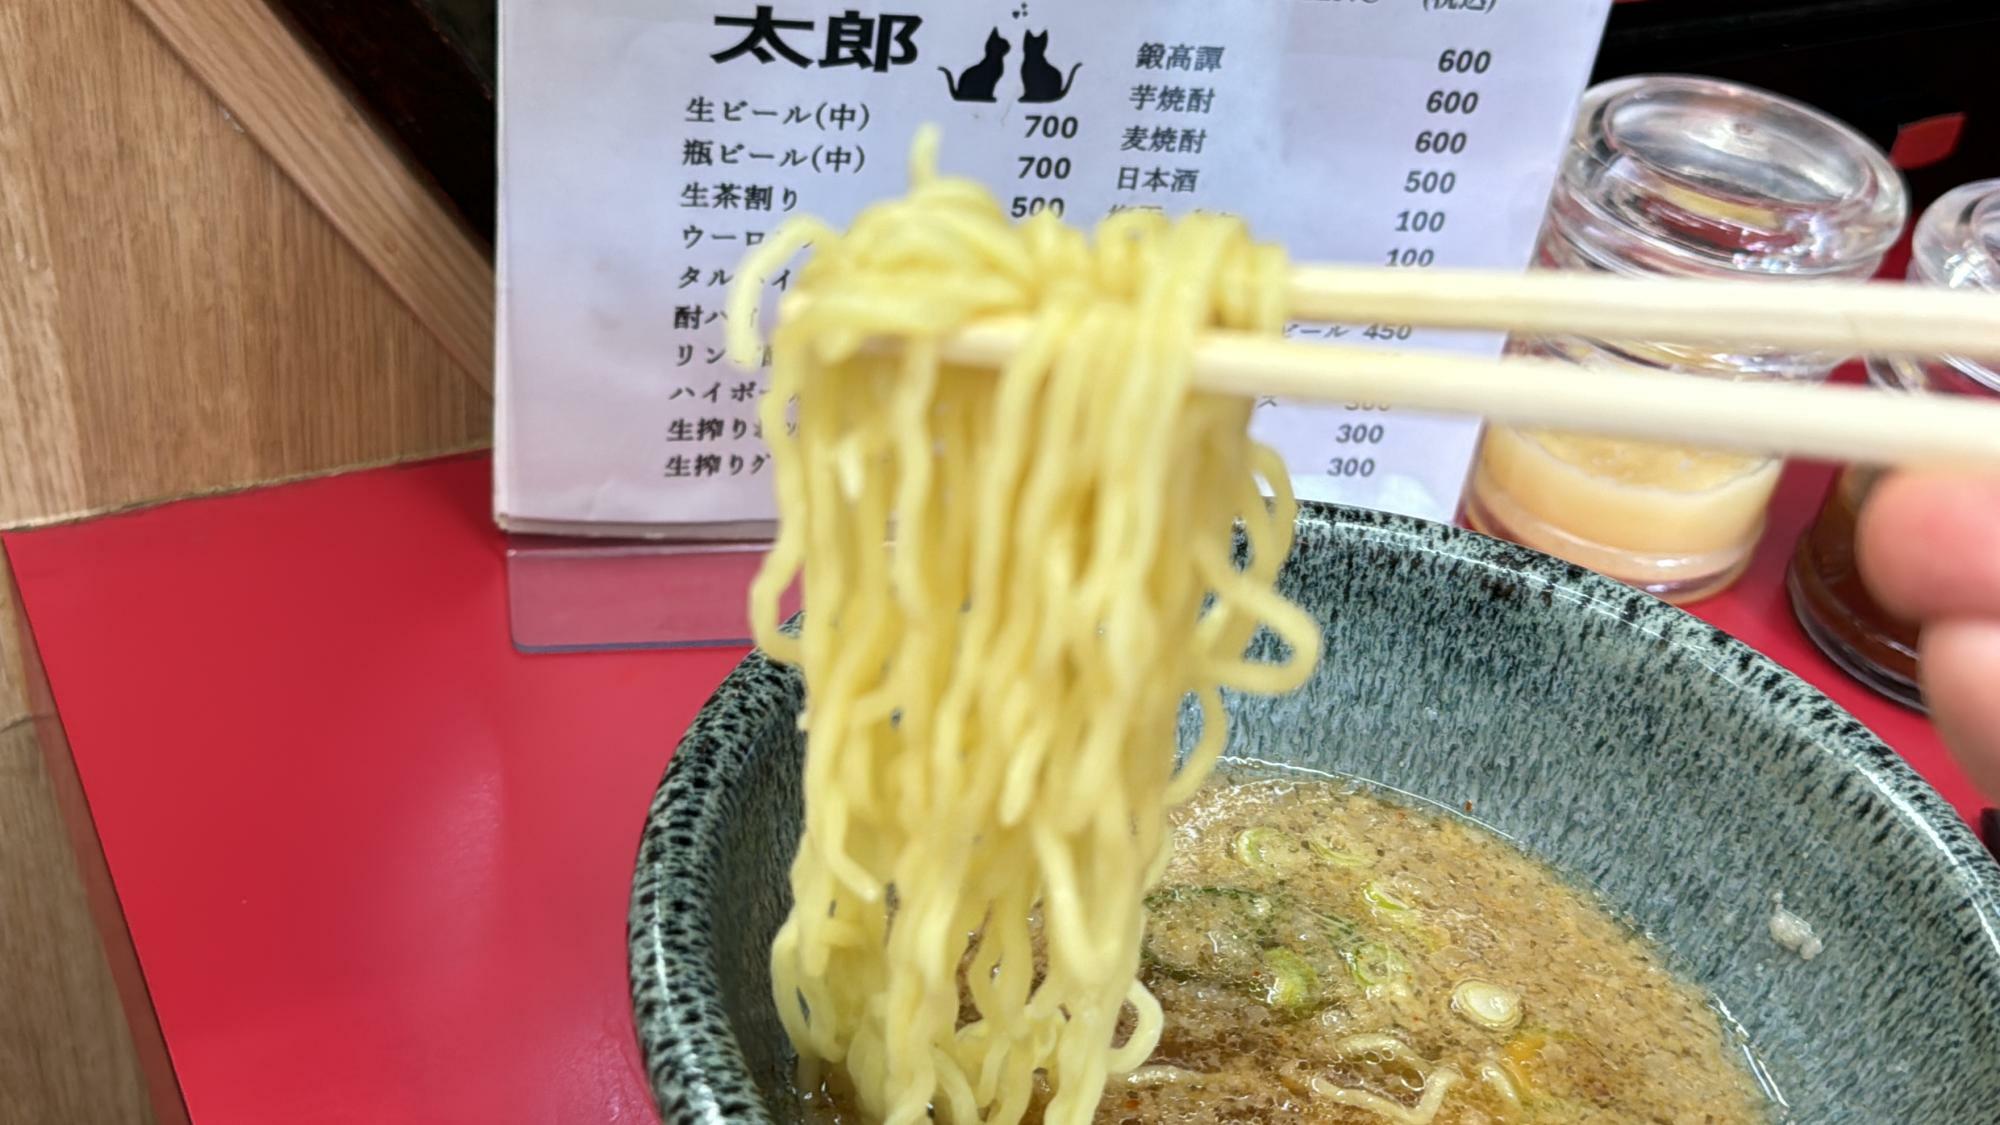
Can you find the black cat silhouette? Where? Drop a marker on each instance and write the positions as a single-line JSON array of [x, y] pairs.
[[982, 78], [1041, 80]]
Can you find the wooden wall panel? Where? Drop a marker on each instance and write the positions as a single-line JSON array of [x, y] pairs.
[[299, 115], [65, 1056], [180, 318], [176, 317], [13, 685]]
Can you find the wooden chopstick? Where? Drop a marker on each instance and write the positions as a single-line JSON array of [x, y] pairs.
[[1786, 419], [1843, 318]]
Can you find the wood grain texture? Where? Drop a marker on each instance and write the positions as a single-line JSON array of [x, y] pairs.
[[299, 115], [419, 81], [64, 1056], [13, 686], [180, 317]]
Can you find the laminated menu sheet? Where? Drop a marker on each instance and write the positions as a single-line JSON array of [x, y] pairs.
[[648, 144]]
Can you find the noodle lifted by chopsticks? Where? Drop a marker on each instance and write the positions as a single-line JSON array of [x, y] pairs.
[[1008, 579]]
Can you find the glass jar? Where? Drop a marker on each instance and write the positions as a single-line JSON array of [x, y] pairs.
[[1956, 245], [1687, 177]]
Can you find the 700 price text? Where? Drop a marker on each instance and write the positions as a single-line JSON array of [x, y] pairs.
[[1041, 167]]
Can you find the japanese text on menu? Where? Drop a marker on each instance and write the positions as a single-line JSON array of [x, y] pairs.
[[646, 152]]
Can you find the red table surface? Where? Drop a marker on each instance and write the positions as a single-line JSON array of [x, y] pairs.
[[373, 861]]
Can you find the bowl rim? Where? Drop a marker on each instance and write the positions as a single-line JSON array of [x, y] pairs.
[[693, 1062]]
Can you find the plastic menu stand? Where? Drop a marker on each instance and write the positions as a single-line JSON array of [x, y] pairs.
[[594, 595]]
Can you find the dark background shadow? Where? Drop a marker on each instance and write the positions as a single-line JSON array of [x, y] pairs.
[[1918, 70]]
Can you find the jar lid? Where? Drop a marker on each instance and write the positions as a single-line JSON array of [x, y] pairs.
[[1684, 175], [1957, 242], [1957, 246]]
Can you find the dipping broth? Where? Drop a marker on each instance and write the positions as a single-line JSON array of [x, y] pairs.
[[1326, 955]]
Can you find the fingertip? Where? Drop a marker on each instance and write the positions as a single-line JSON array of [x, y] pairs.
[[1960, 669], [1928, 544], [1878, 544]]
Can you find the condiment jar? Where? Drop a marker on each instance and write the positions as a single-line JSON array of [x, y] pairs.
[[1686, 177], [1956, 245]]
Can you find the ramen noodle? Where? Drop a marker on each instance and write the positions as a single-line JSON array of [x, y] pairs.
[[1012, 580]]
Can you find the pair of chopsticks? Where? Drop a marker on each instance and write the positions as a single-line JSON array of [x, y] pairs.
[[1787, 419]]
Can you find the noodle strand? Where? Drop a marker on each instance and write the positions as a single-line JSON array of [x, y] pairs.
[[1014, 580]]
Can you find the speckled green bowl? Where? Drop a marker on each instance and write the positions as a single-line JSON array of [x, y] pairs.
[[1678, 773]]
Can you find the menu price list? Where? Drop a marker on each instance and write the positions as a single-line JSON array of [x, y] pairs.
[[648, 147]]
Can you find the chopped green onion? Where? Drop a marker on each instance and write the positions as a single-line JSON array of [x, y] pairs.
[[1292, 984], [1341, 932], [1213, 933], [1269, 849], [1339, 858], [1488, 1005], [1496, 1076], [1376, 965], [1385, 900]]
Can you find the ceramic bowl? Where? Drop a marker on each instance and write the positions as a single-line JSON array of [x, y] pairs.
[[1676, 772]]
